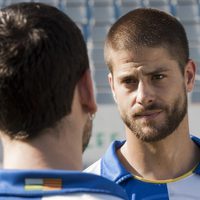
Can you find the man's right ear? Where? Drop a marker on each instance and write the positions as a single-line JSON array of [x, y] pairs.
[[110, 79], [86, 91]]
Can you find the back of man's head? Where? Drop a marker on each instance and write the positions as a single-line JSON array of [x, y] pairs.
[[42, 57]]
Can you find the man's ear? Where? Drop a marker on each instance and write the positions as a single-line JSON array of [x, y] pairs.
[[86, 91], [190, 71], [110, 79]]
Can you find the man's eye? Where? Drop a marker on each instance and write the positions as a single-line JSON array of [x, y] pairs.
[[158, 77], [130, 81]]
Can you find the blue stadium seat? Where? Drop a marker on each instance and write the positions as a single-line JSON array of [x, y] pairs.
[[193, 31], [187, 10], [102, 12], [8, 2], [98, 34], [198, 68], [72, 2], [128, 5], [195, 96], [195, 52], [104, 96], [101, 77], [97, 55], [163, 5], [55, 3], [77, 13]]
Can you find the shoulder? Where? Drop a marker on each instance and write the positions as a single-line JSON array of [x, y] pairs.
[[110, 158], [99, 186], [86, 186], [58, 185]]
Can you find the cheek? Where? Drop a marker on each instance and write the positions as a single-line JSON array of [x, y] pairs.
[[124, 101], [174, 95]]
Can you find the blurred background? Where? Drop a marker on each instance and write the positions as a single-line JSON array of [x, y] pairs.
[[94, 17]]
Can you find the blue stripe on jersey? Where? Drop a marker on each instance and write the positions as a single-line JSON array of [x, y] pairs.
[[154, 191]]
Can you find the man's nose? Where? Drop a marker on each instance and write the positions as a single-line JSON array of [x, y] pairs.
[[145, 93]]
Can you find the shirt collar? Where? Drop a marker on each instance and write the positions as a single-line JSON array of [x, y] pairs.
[[197, 142], [113, 169]]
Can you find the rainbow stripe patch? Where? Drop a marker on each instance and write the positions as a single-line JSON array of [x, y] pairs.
[[45, 184]]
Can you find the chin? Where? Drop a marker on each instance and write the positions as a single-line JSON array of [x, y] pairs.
[[152, 137]]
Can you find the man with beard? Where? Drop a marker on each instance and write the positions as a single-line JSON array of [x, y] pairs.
[[46, 107], [151, 73]]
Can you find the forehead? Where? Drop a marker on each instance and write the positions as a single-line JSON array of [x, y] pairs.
[[144, 60]]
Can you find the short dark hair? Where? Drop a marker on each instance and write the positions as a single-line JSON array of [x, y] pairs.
[[146, 27], [42, 57]]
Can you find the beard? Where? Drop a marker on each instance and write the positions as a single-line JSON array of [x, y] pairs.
[[87, 132], [152, 131]]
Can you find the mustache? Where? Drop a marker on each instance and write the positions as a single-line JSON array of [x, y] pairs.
[[149, 108]]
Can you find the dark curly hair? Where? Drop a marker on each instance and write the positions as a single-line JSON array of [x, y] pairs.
[[42, 57]]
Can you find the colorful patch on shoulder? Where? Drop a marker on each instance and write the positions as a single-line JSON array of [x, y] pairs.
[[44, 184]]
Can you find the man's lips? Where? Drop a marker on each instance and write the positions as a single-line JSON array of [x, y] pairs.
[[148, 114]]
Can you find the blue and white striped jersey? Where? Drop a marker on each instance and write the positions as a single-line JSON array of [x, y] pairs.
[[186, 187], [56, 185]]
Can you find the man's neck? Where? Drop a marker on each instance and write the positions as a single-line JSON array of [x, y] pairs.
[[169, 158], [43, 153]]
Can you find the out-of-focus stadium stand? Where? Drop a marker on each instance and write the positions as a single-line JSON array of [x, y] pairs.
[[94, 17]]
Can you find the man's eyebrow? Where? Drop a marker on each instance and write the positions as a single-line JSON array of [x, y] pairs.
[[158, 70]]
